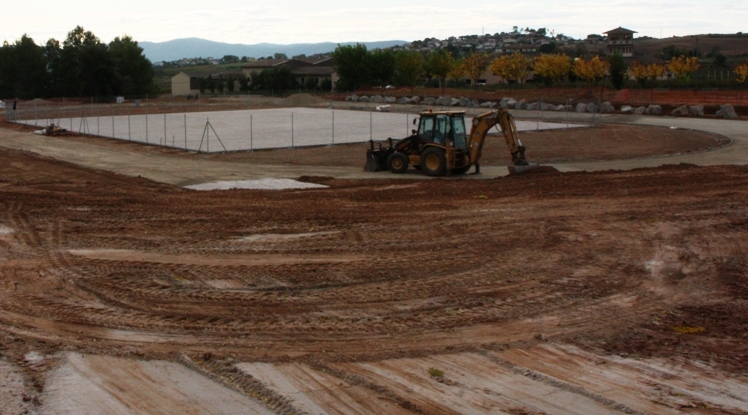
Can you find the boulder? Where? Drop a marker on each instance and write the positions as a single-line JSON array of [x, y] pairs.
[[363, 99], [429, 101], [627, 109], [581, 107], [403, 100], [465, 102], [727, 111], [454, 102], [390, 100], [520, 104], [488, 104], [376, 99], [606, 108], [592, 108], [533, 106], [696, 110], [654, 110], [353, 98], [544, 106], [415, 100], [442, 101], [510, 103], [681, 111], [640, 110]]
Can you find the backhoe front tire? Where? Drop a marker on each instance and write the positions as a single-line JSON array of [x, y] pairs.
[[397, 163], [434, 162]]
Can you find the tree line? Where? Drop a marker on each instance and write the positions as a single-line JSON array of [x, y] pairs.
[[356, 66], [80, 66]]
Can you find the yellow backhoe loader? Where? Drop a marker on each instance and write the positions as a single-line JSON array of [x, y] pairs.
[[441, 145]]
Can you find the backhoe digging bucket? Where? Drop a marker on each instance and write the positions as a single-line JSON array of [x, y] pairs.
[[517, 170]]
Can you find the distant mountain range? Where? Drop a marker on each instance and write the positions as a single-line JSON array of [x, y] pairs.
[[177, 49]]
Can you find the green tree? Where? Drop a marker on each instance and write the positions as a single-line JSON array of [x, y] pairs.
[[439, 64], [30, 68], [243, 83], [53, 57], [409, 67], [276, 79], [382, 66], [98, 74], [310, 84], [135, 70], [617, 70], [230, 84], [280, 56], [352, 63]]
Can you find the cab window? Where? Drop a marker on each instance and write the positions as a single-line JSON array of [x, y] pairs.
[[426, 129], [441, 129], [459, 134]]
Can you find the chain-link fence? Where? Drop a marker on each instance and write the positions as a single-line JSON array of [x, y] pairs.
[[219, 129], [227, 125]]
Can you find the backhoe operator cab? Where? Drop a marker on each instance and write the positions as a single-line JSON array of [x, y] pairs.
[[442, 145], [442, 127]]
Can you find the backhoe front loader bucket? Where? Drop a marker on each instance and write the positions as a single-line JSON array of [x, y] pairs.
[[376, 159]]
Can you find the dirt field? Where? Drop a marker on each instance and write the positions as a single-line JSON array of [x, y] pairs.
[[549, 293]]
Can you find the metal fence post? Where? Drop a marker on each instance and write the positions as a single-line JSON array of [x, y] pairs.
[[129, 137], [165, 145], [251, 132], [292, 130], [333, 128], [185, 131]]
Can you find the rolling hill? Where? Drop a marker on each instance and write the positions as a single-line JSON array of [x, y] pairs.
[[194, 47]]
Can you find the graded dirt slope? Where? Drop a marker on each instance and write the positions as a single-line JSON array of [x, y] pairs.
[[607, 292]]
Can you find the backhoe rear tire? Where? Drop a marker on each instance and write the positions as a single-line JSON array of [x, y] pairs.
[[434, 162], [397, 163]]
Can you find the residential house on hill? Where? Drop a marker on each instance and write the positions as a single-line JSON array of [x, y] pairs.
[[621, 41]]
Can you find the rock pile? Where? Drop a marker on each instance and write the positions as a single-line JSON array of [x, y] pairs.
[[726, 111]]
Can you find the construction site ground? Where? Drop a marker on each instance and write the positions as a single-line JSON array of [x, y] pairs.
[[610, 280]]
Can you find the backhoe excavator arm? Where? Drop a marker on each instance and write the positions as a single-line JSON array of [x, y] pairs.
[[483, 123]]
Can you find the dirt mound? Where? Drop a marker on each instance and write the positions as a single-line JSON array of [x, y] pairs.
[[535, 171], [302, 100]]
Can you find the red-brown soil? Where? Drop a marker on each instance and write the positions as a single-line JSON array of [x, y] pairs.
[[645, 263]]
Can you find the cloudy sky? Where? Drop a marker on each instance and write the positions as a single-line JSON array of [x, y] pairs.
[[304, 21]]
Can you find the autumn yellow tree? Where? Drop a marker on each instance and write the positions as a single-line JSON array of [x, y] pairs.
[[552, 67], [682, 67], [474, 65], [457, 71], [591, 70], [741, 72], [643, 73], [512, 67]]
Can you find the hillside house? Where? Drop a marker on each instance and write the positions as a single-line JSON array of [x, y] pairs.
[[621, 41]]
